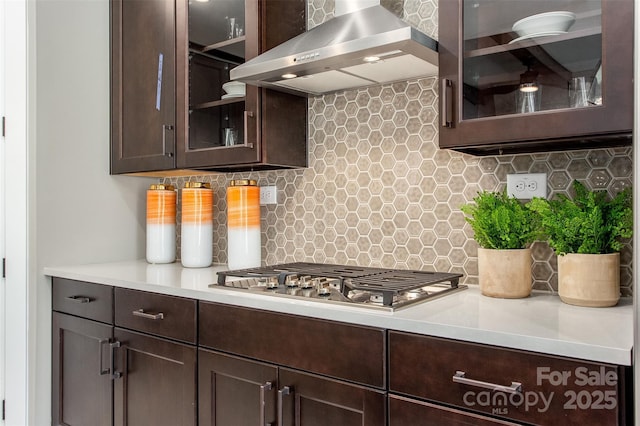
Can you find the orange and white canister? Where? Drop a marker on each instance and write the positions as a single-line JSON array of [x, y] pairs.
[[243, 224], [197, 225], [161, 224]]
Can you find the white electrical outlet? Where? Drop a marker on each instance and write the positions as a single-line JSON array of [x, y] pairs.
[[268, 195], [527, 185]]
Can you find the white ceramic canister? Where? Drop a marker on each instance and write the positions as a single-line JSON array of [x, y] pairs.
[[161, 224], [197, 225], [243, 224]]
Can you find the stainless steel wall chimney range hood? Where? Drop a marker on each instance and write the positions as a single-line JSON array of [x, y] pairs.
[[365, 47]]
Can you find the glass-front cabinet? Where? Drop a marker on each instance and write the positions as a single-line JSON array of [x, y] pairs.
[[524, 76], [225, 119], [216, 45]]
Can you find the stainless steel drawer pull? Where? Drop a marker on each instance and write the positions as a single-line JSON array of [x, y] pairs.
[[142, 314], [100, 361], [79, 299], [459, 377], [446, 107], [113, 346], [165, 151], [286, 390], [247, 116], [263, 389]]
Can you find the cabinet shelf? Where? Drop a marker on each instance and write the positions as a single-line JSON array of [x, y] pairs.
[[225, 43], [231, 51], [540, 41], [221, 102]]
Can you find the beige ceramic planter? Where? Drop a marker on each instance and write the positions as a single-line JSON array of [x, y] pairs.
[[589, 279], [504, 273]]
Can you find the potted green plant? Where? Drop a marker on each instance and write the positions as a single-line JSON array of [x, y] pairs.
[[504, 228], [587, 233]]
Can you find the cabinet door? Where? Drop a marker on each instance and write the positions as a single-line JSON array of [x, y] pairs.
[[157, 384], [235, 391], [411, 412], [310, 400], [81, 393], [511, 82], [143, 85], [229, 129]]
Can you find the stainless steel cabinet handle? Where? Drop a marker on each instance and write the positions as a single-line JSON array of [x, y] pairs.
[[113, 346], [247, 116], [459, 377], [263, 389], [281, 394], [79, 299], [446, 105], [100, 362], [166, 127], [142, 314]]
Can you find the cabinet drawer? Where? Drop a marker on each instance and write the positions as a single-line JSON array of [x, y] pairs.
[[167, 316], [344, 351], [406, 411], [87, 300], [553, 390]]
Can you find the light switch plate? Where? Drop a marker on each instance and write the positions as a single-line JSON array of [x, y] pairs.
[[525, 186], [268, 195]]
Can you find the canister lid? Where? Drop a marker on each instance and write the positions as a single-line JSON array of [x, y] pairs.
[[162, 187], [197, 185], [243, 182]]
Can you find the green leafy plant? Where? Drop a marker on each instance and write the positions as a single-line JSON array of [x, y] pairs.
[[501, 222], [590, 223]]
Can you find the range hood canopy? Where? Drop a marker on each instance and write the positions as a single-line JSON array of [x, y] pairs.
[[362, 48]]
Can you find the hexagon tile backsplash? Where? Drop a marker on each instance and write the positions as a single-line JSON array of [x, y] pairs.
[[379, 191]]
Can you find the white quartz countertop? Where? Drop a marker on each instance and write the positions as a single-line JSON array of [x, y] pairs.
[[539, 323]]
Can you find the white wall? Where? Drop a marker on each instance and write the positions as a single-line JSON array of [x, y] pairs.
[[636, 211], [80, 214], [15, 144]]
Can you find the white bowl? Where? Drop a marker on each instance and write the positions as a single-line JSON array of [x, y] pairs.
[[549, 22], [234, 88]]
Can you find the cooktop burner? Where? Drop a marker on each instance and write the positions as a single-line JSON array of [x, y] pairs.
[[387, 289]]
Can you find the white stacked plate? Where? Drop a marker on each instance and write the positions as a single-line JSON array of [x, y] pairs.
[[543, 25], [234, 89]]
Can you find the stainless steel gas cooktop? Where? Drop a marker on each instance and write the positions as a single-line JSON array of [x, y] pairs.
[[385, 289]]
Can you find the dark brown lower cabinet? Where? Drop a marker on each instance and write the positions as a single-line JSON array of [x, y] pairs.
[[81, 380], [157, 383], [182, 362], [412, 412], [509, 384], [311, 400], [237, 391]]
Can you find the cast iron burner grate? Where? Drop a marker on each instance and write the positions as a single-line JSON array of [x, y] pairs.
[[387, 283]]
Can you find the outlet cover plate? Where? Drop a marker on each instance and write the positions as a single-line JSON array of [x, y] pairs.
[[525, 186], [268, 195]]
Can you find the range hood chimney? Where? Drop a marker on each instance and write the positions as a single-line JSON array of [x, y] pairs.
[[359, 48]]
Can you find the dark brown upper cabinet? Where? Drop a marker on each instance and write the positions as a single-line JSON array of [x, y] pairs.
[[169, 108], [143, 85], [579, 75]]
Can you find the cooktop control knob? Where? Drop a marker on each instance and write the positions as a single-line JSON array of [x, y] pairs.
[[305, 282], [272, 282]]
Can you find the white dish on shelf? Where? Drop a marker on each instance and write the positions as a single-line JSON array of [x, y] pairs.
[[234, 88], [535, 35], [544, 23], [232, 95]]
